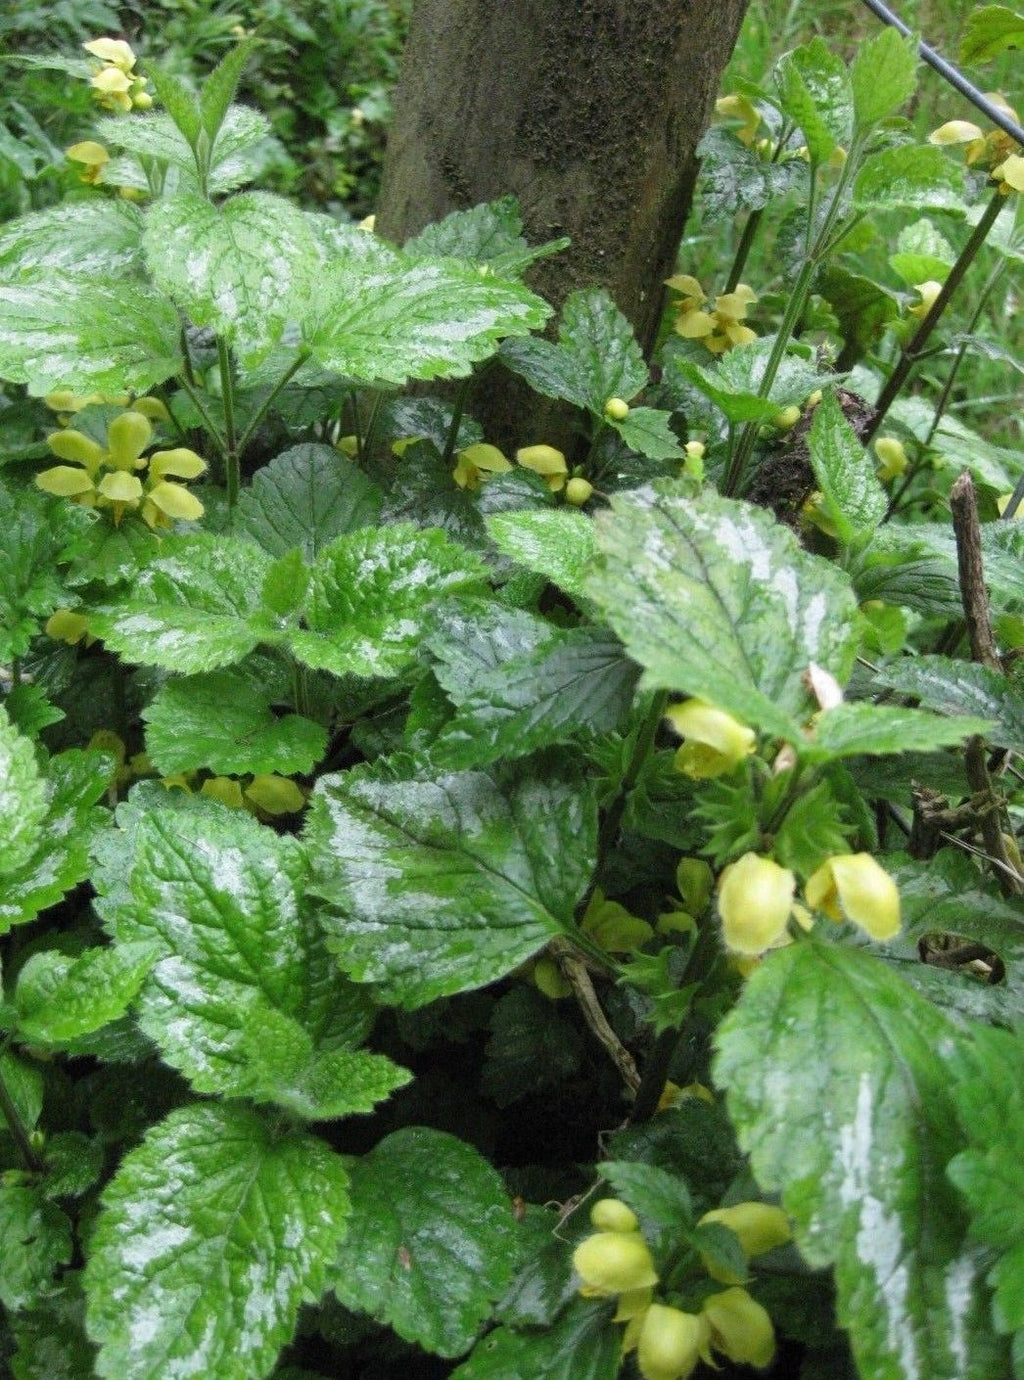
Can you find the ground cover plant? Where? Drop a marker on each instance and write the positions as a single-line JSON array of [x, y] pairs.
[[541, 914]]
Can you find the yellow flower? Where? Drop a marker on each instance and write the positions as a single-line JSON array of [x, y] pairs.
[[740, 108], [274, 795], [112, 50], [755, 898], [93, 156], [578, 491], [549, 980], [892, 456], [855, 887], [610, 1214], [547, 462], [718, 330], [928, 292], [1010, 174], [225, 789], [740, 1328], [614, 1262], [759, 1226], [955, 132], [715, 743], [989, 148], [66, 626], [671, 1343], [477, 463], [634, 1303]]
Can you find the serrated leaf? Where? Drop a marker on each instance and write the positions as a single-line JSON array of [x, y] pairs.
[[423, 320], [555, 543], [735, 178], [519, 684], [909, 177], [285, 584], [179, 100], [815, 92], [23, 802], [430, 1241], [961, 687], [450, 884], [24, 1084], [157, 136], [59, 997], [734, 384], [647, 431], [883, 75], [837, 1075], [713, 597], [38, 532], [582, 1344], [99, 337], [212, 1234], [989, 1098], [845, 472], [222, 721], [487, 234], [370, 595], [75, 780], [194, 608], [242, 268], [531, 1046], [596, 357], [857, 727], [220, 86], [35, 1240], [990, 31], [304, 498], [656, 1196], [75, 239], [221, 900], [50, 1338], [73, 1164], [863, 307], [1002, 546]]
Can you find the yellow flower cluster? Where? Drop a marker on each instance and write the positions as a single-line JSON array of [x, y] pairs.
[[996, 150], [105, 476], [117, 86], [669, 1342], [480, 462], [717, 330], [262, 795]]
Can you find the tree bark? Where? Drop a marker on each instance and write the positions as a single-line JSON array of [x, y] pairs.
[[589, 111]]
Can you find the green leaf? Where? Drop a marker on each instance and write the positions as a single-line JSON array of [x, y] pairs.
[[243, 268], [50, 1337], [582, 1344], [243, 1224], [59, 997], [647, 431], [179, 100], [845, 472], [837, 1075], [816, 93], [1002, 546], [38, 532], [656, 1196], [857, 727], [74, 1163], [734, 384], [532, 1045], [863, 307], [909, 177], [24, 1084], [430, 1241], [989, 1098], [960, 687], [735, 178], [487, 234], [194, 608], [520, 684], [596, 357], [219, 87], [304, 498], [157, 136], [450, 884], [23, 802], [75, 780], [75, 239], [370, 595], [223, 721], [883, 76], [221, 900], [426, 319], [990, 31], [35, 1240], [922, 254], [99, 337], [553, 542], [715, 598]]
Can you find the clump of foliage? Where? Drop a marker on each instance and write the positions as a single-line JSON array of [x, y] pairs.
[[551, 914]]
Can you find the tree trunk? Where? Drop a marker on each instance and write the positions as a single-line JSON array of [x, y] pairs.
[[589, 111]]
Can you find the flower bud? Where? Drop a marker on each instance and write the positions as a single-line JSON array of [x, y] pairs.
[[142, 100], [759, 1226], [787, 419], [740, 1328], [853, 886], [275, 795], [755, 898], [578, 492], [1010, 174], [549, 979], [695, 882], [928, 292], [670, 1343], [616, 409], [693, 465], [716, 743], [609, 1214], [892, 456], [66, 626], [614, 1262]]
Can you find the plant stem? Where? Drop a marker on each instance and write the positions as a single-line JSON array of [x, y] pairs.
[[642, 745], [912, 352], [458, 408], [754, 220], [264, 406], [187, 357], [944, 396], [232, 468], [211, 426], [15, 1125], [300, 689]]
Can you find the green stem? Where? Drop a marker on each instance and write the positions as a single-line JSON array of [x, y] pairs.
[[754, 220], [16, 1126], [187, 357], [944, 396], [211, 426], [459, 407], [371, 423], [265, 405], [15, 671], [357, 423], [300, 689], [232, 467], [912, 352]]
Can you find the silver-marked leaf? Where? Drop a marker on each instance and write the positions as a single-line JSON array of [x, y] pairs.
[[59, 997], [815, 91], [838, 1083], [97, 336], [450, 884], [370, 595], [909, 177], [212, 1234], [715, 598], [490, 234], [35, 1240], [734, 384], [157, 136], [555, 542], [196, 607], [304, 498], [431, 1239], [23, 797], [74, 239], [961, 687], [845, 472], [243, 268], [422, 320], [647, 431], [222, 721]]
